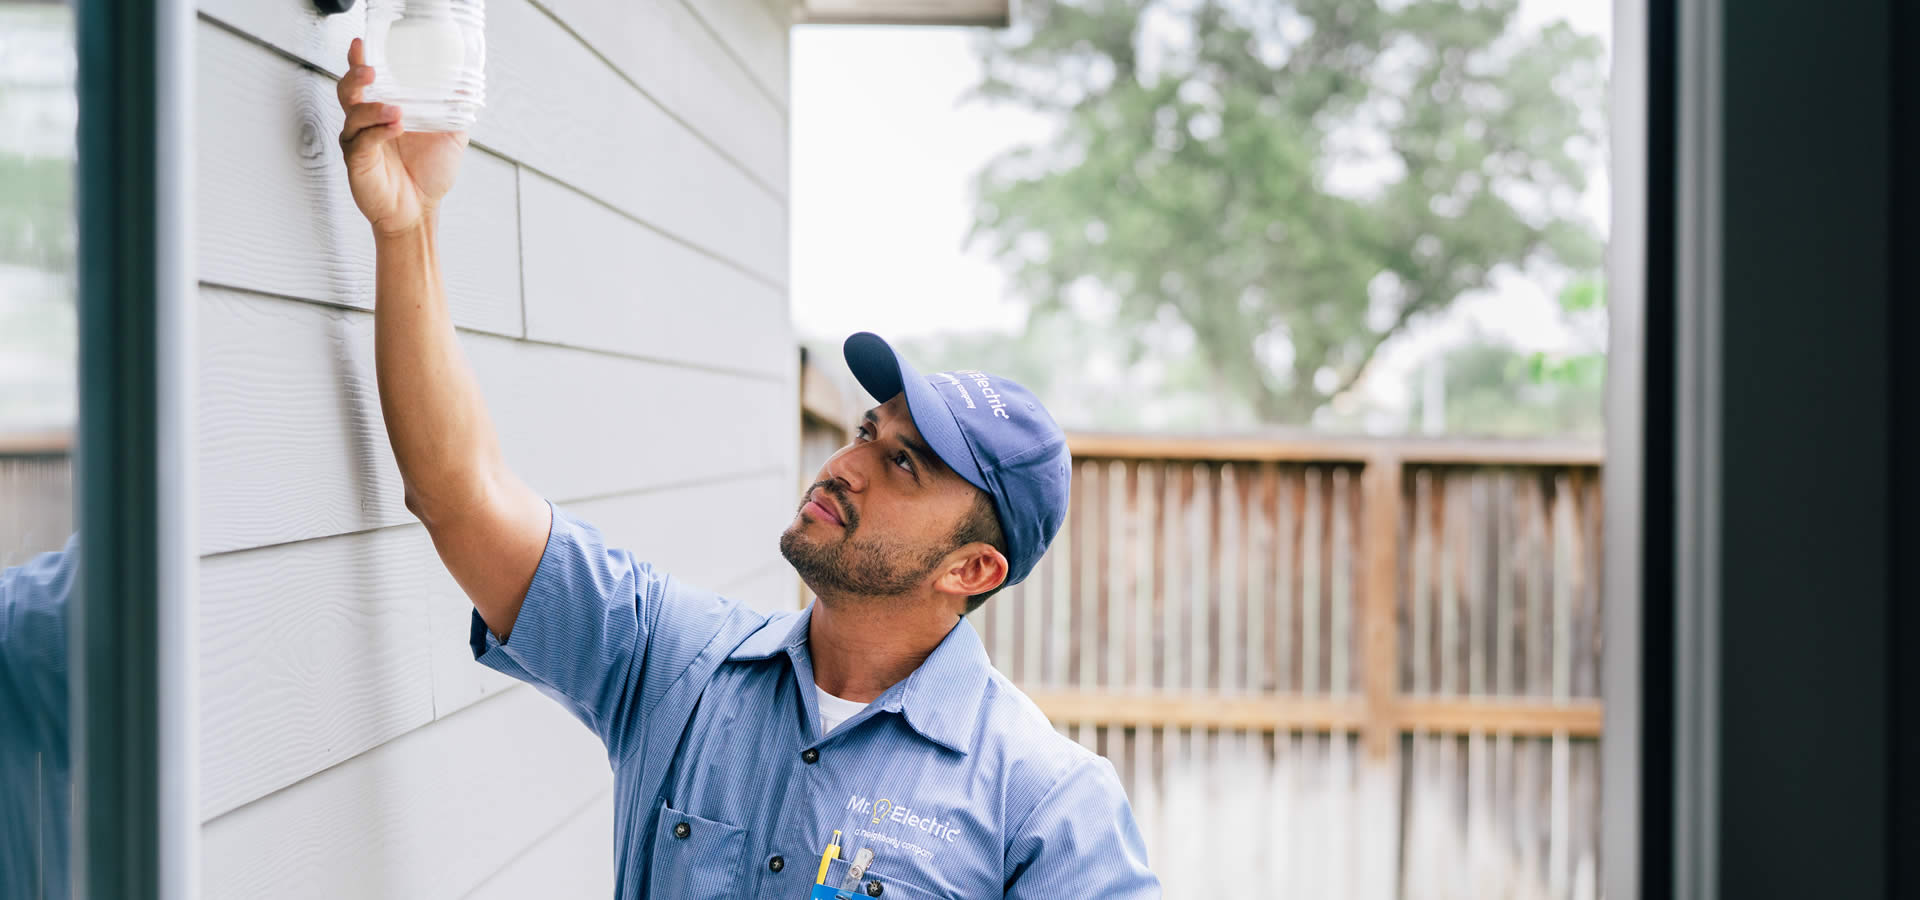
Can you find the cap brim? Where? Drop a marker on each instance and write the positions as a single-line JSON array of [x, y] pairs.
[[885, 375]]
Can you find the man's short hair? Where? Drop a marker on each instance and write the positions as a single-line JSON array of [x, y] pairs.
[[981, 525]]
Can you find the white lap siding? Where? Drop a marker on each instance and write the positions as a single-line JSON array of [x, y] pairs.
[[616, 260]]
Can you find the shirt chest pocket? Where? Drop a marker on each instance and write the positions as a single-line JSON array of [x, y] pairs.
[[695, 858]]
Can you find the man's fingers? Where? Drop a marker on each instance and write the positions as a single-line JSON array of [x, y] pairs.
[[356, 54], [360, 147], [363, 116], [353, 86]]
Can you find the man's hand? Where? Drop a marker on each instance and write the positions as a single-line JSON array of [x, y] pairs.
[[397, 177]]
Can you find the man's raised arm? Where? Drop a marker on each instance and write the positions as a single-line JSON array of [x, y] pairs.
[[488, 525]]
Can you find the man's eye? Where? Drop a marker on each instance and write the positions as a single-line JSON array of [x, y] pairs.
[[863, 434], [904, 461]]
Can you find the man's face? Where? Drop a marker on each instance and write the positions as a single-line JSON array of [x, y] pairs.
[[882, 513]]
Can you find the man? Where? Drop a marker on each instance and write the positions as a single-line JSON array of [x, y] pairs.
[[36, 776], [741, 742]]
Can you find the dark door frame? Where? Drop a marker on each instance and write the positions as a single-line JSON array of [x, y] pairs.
[[1763, 722], [135, 816]]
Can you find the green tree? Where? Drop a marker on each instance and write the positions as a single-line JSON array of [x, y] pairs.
[[1497, 390], [36, 218], [1586, 299], [1287, 184]]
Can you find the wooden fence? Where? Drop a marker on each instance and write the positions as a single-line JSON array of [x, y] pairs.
[[1330, 668], [36, 495]]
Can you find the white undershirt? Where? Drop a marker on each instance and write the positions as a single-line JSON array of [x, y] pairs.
[[834, 710]]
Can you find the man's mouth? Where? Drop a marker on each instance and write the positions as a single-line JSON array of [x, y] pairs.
[[823, 508]]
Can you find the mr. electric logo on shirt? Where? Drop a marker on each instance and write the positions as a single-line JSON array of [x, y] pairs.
[[884, 810]]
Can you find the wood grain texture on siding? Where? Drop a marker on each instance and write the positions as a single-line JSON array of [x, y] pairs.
[[292, 444], [273, 211], [555, 106], [721, 536], [310, 654], [574, 860], [666, 50], [425, 816], [294, 27], [316, 651], [598, 279], [756, 34]]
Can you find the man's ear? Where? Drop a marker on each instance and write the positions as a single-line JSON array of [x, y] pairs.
[[973, 569]]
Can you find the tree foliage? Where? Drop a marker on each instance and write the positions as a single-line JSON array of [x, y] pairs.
[[1284, 184], [36, 218], [1493, 389]]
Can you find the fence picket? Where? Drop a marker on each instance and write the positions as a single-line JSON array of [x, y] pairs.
[[1230, 600], [1340, 579], [1311, 549]]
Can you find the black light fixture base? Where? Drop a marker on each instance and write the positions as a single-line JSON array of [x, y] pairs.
[[330, 7]]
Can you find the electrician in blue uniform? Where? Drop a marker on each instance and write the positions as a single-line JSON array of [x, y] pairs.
[[741, 741], [36, 778]]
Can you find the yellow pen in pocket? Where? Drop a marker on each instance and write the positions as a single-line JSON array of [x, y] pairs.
[[826, 856]]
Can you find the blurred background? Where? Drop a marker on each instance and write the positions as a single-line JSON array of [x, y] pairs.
[[39, 336], [1345, 217], [1316, 289]]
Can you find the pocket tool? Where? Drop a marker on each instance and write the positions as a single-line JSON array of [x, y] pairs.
[[860, 862]]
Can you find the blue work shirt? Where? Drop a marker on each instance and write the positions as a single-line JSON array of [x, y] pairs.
[[952, 777], [36, 777]]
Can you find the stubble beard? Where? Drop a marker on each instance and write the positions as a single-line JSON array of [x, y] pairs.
[[850, 564]]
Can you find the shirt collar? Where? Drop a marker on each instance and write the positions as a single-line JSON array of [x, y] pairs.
[[781, 632], [940, 700]]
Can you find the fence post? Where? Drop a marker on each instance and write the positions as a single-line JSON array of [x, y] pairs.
[[1380, 549], [1378, 790]]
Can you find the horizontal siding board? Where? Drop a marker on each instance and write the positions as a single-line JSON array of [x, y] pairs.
[[425, 816], [311, 653], [707, 534], [292, 445], [585, 424], [273, 211], [666, 50], [316, 651], [598, 279], [556, 107], [574, 860], [295, 27], [756, 34]]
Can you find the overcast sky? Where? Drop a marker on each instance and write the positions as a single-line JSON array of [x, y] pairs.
[[884, 151]]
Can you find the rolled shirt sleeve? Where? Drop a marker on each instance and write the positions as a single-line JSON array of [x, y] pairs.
[[586, 633], [1080, 841]]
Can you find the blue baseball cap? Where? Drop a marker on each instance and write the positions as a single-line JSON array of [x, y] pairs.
[[992, 431]]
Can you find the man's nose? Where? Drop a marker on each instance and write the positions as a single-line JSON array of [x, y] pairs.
[[849, 468]]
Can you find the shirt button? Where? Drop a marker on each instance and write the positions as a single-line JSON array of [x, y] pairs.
[[776, 864], [874, 888], [809, 756], [682, 831]]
